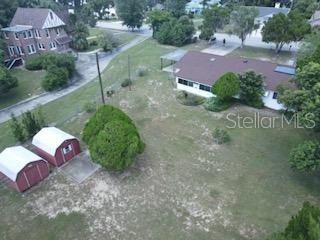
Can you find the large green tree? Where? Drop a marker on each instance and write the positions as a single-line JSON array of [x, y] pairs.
[[307, 7], [276, 30], [176, 32], [282, 29], [112, 138], [176, 7], [227, 86], [252, 88], [80, 35], [100, 6], [156, 18], [214, 17], [242, 22], [7, 10], [305, 99], [131, 12]]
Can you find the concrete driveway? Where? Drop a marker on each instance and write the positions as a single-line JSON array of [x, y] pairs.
[[79, 168], [220, 49]]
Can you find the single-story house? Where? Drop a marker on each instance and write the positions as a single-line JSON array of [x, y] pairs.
[[56, 146], [264, 13], [22, 169], [197, 71], [315, 19], [196, 6]]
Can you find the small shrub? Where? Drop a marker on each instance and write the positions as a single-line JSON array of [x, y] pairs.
[[126, 83], [215, 104], [107, 41], [141, 71], [34, 63], [90, 107], [110, 93], [220, 136], [17, 129], [56, 77], [189, 99]]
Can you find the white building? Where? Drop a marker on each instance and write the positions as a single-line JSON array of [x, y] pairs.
[[197, 71]]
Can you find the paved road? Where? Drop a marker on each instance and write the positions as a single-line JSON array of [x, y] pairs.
[[117, 25], [86, 72]]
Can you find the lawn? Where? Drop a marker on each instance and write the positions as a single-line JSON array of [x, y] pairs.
[[123, 37], [29, 85], [264, 54], [183, 187]]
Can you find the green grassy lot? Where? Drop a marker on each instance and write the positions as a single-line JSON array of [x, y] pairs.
[[124, 37], [263, 54], [183, 187], [29, 85]]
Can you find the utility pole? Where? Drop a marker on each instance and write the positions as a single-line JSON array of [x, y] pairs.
[[100, 81]]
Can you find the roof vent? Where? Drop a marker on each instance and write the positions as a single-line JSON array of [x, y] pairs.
[[212, 59], [245, 61]]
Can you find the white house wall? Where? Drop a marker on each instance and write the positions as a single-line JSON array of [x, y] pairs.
[[55, 21], [268, 100]]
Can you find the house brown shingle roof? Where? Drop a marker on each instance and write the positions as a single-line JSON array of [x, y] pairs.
[[30, 16], [206, 68]]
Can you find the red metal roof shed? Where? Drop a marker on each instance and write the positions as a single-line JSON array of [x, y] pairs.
[[56, 146], [22, 169]]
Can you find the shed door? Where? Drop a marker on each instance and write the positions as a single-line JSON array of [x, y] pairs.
[[32, 174]]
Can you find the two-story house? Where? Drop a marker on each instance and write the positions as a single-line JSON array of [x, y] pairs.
[[34, 31]]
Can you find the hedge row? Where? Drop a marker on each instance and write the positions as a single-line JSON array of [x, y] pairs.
[[59, 66]]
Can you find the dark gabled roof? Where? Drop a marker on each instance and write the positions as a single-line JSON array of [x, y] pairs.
[[34, 17], [207, 68], [266, 11]]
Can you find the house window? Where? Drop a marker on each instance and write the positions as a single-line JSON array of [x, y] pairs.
[[5, 35], [37, 33], [19, 50], [47, 33], [67, 149], [41, 46], [11, 50], [16, 36], [25, 35], [30, 34], [53, 45], [57, 31], [182, 81], [205, 88], [275, 95], [31, 49]]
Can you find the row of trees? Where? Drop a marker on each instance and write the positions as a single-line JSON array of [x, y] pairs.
[[304, 102], [240, 20], [59, 66]]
